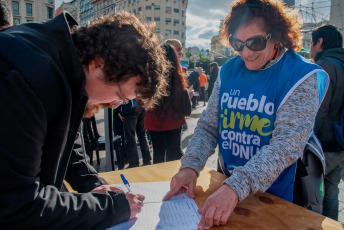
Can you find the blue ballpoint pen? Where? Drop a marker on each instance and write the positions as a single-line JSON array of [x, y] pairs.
[[125, 182]]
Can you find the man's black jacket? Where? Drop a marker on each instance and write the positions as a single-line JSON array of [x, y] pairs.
[[42, 101], [193, 80], [333, 104], [213, 76]]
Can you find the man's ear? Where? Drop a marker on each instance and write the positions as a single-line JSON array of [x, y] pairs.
[[99, 62], [96, 63], [95, 66], [320, 43]]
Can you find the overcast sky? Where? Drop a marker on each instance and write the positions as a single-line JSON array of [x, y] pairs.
[[203, 17]]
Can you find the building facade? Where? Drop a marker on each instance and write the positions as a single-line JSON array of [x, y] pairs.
[[337, 15], [217, 49], [103, 7], [71, 7], [32, 10], [86, 11], [169, 15]]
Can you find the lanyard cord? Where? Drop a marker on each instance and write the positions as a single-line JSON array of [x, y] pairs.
[[275, 53]]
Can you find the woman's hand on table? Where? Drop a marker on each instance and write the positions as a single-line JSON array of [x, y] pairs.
[[135, 203], [184, 180], [218, 207]]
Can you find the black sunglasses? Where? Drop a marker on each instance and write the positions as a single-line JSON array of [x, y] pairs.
[[256, 43]]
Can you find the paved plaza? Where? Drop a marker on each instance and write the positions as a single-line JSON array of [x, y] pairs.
[[186, 136]]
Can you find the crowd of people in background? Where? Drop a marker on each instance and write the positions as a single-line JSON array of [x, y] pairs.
[[286, 98], [133, 119], [165, 121]]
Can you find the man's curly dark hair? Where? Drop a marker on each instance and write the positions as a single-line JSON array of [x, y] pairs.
[[5, 14], [128, 47]]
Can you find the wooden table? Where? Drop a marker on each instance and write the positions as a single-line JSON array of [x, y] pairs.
[[259, 211]]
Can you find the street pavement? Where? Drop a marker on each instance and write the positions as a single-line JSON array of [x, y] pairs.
[[186, 137]]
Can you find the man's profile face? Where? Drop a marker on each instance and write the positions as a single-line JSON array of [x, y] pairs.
[[315, 48], [105, 94]]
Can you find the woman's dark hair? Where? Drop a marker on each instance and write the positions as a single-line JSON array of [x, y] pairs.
[[272, 15], [129, 48], [175, 86], [331, 36]]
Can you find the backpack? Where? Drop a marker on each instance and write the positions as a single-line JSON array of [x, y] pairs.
[[310, 172], [312, 183], [338, 126]]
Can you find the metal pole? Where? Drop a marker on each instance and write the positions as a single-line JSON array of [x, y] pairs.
[[109, 157]]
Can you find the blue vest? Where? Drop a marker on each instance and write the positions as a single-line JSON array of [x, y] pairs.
[[248, 103]]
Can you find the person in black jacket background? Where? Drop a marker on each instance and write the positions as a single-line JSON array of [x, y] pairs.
[[193, 81], [327, 51], [214, 72], [49, 80], [133, 118]]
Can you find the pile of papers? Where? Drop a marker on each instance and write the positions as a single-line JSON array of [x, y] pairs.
[[178, 213]]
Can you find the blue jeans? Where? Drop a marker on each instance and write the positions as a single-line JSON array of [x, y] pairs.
[[334, 166]]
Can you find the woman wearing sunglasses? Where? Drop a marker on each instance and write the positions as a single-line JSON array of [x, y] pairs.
[[261, 111]]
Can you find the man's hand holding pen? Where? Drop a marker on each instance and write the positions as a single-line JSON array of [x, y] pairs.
[[135, 203], [135, 200]]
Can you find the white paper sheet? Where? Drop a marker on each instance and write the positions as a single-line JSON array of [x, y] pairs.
[[178, 213]]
